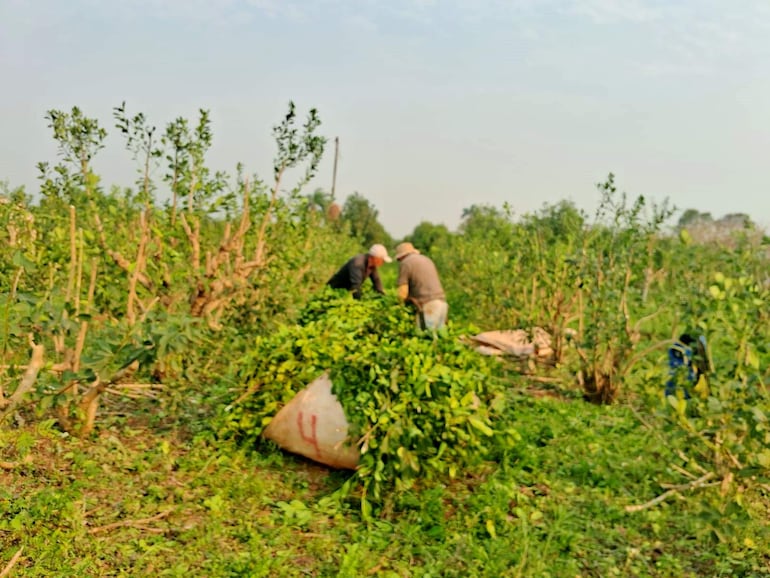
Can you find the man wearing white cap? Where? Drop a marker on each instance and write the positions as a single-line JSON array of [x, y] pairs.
[[352, 274], [419, 283]]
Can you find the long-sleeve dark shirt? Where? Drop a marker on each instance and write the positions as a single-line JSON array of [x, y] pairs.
[[353, 274]]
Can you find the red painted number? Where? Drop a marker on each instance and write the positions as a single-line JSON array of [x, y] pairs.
[[312, 439]]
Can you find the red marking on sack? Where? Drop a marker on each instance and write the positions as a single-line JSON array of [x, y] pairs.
[[312, 440]]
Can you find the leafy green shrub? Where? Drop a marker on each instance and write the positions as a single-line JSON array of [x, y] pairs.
[[419, 405], [726, 426]]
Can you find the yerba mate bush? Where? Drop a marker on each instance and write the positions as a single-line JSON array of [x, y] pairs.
[[726, 426], [720, 425], [419, 405]]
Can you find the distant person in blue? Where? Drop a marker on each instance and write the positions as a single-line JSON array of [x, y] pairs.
[[688, 361]]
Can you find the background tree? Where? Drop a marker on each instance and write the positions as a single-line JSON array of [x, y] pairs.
[[487, 222], [361, 218], [737, 220], [429, 237], [693, 216], [729, 230], [322, 203]]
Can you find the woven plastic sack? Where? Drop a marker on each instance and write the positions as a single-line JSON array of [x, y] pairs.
[[514, 342], [313, 424]]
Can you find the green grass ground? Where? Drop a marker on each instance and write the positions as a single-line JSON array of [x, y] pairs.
[[153, 497]]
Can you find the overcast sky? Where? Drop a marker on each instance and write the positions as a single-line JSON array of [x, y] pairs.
[[438, 104]]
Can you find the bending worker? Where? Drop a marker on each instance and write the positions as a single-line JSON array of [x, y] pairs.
[[352, 274], [419, 284]]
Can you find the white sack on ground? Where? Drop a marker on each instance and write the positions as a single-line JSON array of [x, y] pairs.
[[515, 342], [313, 424]]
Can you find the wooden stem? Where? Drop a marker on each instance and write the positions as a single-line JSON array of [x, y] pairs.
[[689, 486], [27, 381], [73, 256], [11, 563]]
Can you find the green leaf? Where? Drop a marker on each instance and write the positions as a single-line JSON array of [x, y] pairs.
[[481, 426], [759, 415], [752, 359], [490, 526], [20, 260], [763, 458], [366, 509]]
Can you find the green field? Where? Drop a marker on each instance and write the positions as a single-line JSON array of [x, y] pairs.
[[149, 333]]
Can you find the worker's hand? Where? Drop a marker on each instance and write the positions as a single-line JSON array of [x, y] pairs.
[[403, 292]]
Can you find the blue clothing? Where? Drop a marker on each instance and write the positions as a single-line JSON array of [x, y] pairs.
[[680, 356], [688, 360]]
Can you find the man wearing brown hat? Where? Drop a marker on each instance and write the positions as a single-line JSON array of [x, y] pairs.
[[419, 283], [352, 274]]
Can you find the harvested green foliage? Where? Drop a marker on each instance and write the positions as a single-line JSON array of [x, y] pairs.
[[418, 404]]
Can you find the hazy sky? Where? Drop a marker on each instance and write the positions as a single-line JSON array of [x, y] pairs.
[[438, 104]]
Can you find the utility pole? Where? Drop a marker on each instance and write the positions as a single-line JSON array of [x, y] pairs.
[[336, 155]]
